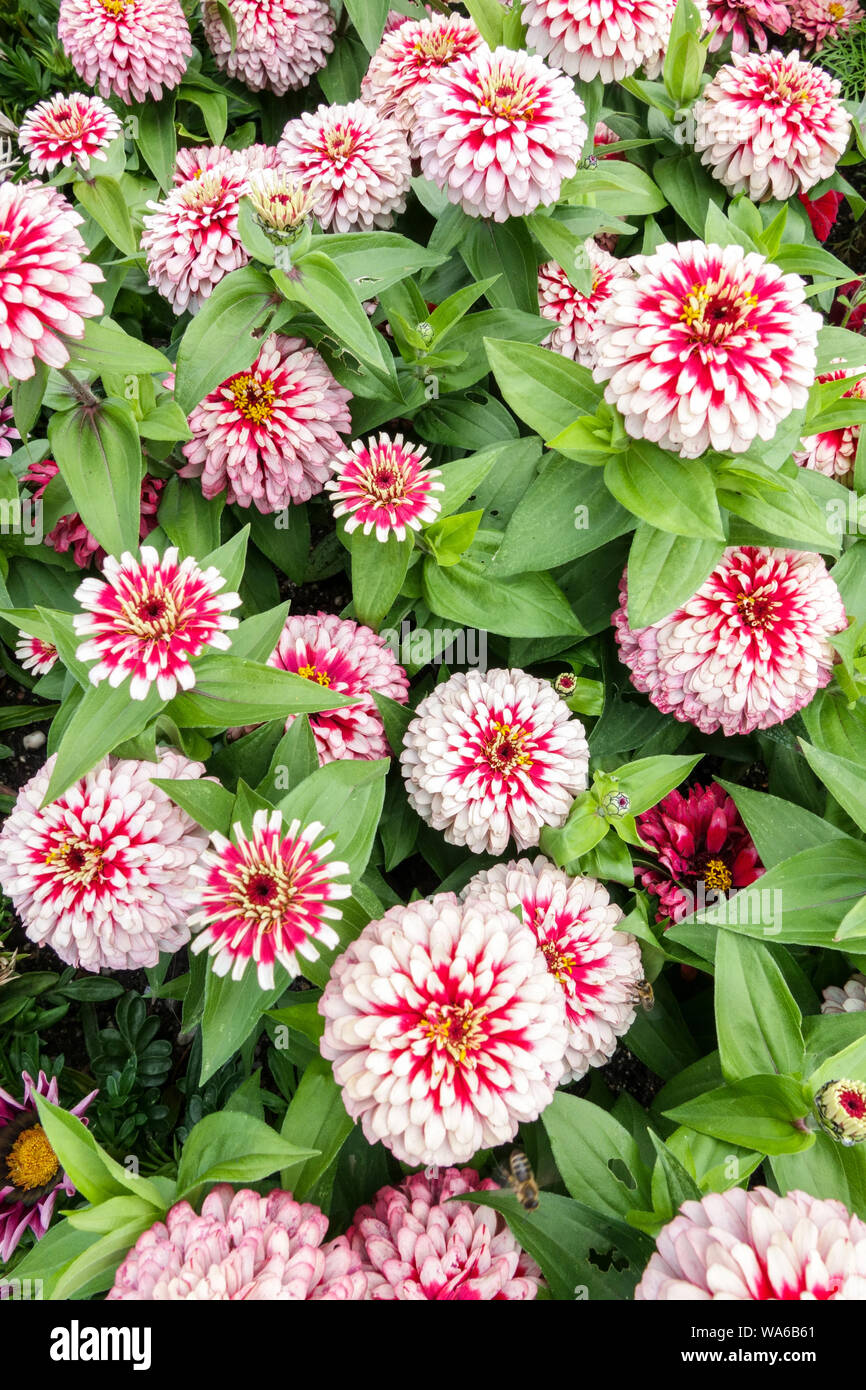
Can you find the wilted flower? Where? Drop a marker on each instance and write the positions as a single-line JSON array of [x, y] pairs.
[[282, 205], [846, 999], [243, 1246], [8, 431], [146, 620], [279, 44], [102, 874], [576, 314], [191, 236], [8, 961], [445, 1029], [132, 49], [499, 132], [589, 40], [31, 1178], [770, 125], [67, 130], [409, 56], [748, 650], [747, 22], [740, 1246], [356, 163], [414, 1243], [35, 654], [833, 452], [267, 435], [841, 1107], [819, 20], [386, 484], [492, 756], [70, 532]]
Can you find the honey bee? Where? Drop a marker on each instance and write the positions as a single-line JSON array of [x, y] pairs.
[[521, 1179], [642, 993]]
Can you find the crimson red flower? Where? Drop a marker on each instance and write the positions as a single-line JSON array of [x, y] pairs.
[[822, 211], [70, 533]]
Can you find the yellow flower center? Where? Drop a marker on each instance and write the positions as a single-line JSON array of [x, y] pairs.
[[115, 7], [152, 615], [504, 750], [559, 963], [717, 876], [312, 673], [714, 311], [339, 143], [76, 861], [507, 98], [31, 1162], [253, 398], [836, 11], [264, 894], [456, 1029]]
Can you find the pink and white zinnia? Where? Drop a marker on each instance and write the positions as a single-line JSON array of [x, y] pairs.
[[445, 1029], [146, 620], [576, 315], [131, 49], [386, 485], [709, 347], [588, 40], [279, 44], [268, 897], [409, 56], [355, 162], [67, 130], [191, 236], [745, 1246]]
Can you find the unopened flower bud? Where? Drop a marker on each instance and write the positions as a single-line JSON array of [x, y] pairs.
[[841, 1107], [615, 804], [566, 684], [425, 331]]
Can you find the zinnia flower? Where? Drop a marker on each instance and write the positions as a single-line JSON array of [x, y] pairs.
[[574, 924], [445, 1029], [349, 659], [748, 650], [191, 237], [148, 619], [386, 484], [356, 163], [67, 130], [588, 40], [747, 22], [841, 1107], [279, 43], [740, 1246], [31, 1178], [35, 655], [46, 286], [8, 431], [268, 897], [409, 56], [708, 348], [492, 756], [822, 212], [102, 874], [833, 452], [770, 125], [267, 435], [499, 132], [70, 532], [703, 847], [132, 49], [819, 20], [846, 999], [576, 314], [196, 160], [414, 1243], [243, 1246], [281, 205]]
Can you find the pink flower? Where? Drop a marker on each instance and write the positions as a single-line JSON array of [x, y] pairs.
[[196, 160], [445, 1029], [386, 484], [349, 659], [822, 212], [267, 435], [499, 132], [280, 44], [819, 20], [587, 40], [833, 452], [414, 1243], [243, 1246], [146, 620], [46, 286], [191, 237], [8, 431], [70, 533], [740, 1246], [491, 756], [747, 22], [102, 874], [409, 56], [708, 347], [748, 650], [268, 897], [132, 49], [67, 130], [35, 655], [849, 998], [32, 1176], [576, 314], [702, 844], [770, 125], [356, 162], [574, 924]]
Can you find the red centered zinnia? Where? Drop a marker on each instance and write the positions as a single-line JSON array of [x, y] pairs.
[[268, 897], [35, 654], [409, 56], [191, 237], [67, 130], [355, 161], [385, 484], [146, 620], [70, 532], [278, 44], [133, 49]]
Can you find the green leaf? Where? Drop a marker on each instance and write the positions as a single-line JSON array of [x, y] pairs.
[[757, 1018], [616, 187], [319, 284], [502, 254], [99, 456], [779, 828], [94, 1173], [284, 538], [209, 804], [525, 605], [27, 398], [670, 493], [566, 512], [586, 1143], [221, 338], [103, 199], [827, 1170], [665, 570], [233, 1147], [374, 261], [368, 17], [105, 346], [232, 1010], [378, 571], [688, 188], [54, 1253], [346, 797], [94, 1269], [489, 18], [165, 422], [104, 718], [229, 691], [316, 1117], [451, 536], [157, 138], [758, 1113], [790, 513], [543, 388], [647, 780], [190, 521], [843, 777]]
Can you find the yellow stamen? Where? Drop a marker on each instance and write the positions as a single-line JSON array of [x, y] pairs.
[[31, 1161], [312, 673], [253, 398], [717, 876]]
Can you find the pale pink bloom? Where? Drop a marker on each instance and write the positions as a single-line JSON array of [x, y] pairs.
[[741, 1246], [576, 314], [415, 1244], [267, 898], [46, 286], [35, 654], [409, 56], [280, 43], [281, 204], [833, 452], [242, 1246], [131, 49], [708, 347], [356, 162], [70, 532], [849, 998], [267, 435], [499, 132], [144, 621], [191, 236], [770, 125], [67, 130], [493, 756], [587, 40], [195, 160], [102, 874], [748, 650], [575, 925], [747, 22], [820, 20], [445, 1029], [8, 431], [386, 484]]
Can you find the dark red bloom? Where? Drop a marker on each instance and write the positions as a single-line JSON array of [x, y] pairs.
[[70, 533], [822, 211], [849, 291]]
